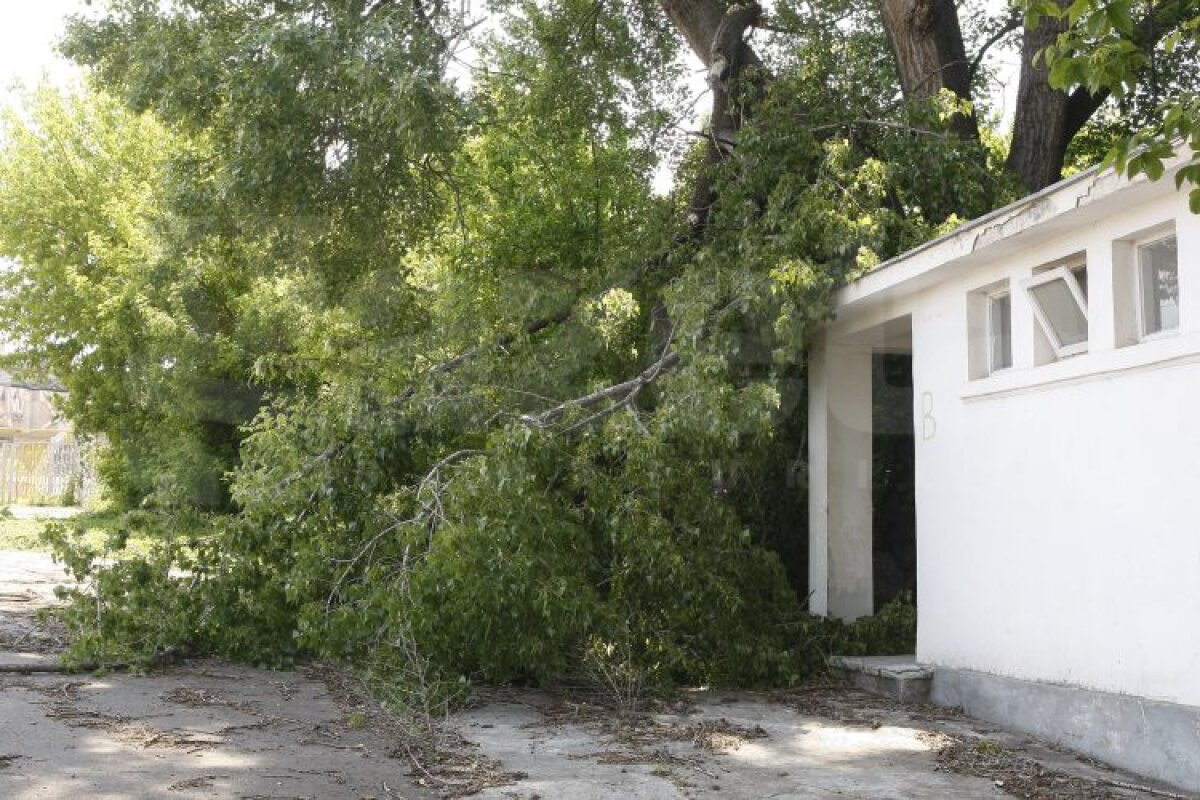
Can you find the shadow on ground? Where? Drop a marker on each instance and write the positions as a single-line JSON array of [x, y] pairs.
[[207, 729], [210, 729]]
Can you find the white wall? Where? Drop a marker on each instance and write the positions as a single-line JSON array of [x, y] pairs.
[[1058, 506]]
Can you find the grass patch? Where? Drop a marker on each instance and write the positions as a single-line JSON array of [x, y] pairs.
[[22, 534], [26, 534]]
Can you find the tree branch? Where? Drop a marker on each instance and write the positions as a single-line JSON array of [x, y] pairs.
[[1013, 23], [452, 364], [717, 36], [629, 389], [699, 22], [431, 514]]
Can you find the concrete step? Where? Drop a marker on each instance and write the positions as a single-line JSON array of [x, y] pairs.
[[898, 677]]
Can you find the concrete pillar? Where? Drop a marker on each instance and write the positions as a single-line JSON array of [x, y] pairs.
[[818, 480], [840, 531], [1103, 302], [1187, 239]]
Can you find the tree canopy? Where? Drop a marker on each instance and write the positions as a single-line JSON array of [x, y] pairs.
[[396, 347]]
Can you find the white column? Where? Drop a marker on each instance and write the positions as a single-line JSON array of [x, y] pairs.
[[840, 509], [1102, 296], [818, 480]]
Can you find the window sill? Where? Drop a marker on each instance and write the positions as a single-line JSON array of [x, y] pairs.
[[1157, 336], [1158, 352]]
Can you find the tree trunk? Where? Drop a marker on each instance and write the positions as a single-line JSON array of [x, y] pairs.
[[1040, 133], [927, 42]]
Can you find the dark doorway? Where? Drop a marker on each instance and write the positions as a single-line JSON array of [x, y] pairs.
[[894, 523]]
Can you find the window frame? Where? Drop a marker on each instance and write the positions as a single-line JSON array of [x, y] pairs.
[[1065, 273], [1140, 286], [989, 298]]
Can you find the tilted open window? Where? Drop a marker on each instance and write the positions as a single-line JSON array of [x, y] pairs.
[[1059, 300]]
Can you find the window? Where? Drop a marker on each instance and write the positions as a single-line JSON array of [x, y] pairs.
[[989, 330], [1145, 285], [1059, 300], [1000, 354], [1158, 286]]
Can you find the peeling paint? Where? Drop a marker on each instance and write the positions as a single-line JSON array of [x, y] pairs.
[[1020, 219]]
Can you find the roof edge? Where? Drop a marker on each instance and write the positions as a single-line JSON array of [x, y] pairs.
[[972, 236]]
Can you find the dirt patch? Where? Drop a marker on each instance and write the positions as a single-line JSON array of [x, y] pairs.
[[204, 698], [198, 782], [853, 707], [31, 632], [710, 735], [27, 582], [1019, 775], [816, 741]]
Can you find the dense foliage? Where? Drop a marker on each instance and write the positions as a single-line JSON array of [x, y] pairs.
[[1155, 90], [400, 357]]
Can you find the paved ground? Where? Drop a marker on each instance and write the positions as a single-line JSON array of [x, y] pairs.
[[210, 729]]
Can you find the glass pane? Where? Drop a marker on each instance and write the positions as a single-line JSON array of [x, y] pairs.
[[1081, 277], [1159, 266], [1062, 311], [1000, 319]]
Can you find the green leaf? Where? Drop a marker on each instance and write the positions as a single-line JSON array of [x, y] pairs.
[[1153, 167]]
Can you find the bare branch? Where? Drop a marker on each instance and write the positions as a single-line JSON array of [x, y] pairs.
[[431, 515], [450, 365], [1013, 23]]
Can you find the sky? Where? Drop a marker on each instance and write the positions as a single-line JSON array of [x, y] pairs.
[[28, 30]]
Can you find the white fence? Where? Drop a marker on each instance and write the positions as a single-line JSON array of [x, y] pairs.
[[52, 471]]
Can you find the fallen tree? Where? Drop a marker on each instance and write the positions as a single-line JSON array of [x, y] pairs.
[[501, 406]]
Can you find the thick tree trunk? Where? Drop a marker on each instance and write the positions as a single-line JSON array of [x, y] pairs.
[[1047, 119], [927, 42], [1040, 133]]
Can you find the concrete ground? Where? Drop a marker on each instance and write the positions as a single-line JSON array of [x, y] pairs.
[[210, 729]]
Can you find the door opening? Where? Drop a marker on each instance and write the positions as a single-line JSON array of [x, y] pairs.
[[893, 490]]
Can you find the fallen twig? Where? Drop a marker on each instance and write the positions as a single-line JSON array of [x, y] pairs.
[[1137, 787]]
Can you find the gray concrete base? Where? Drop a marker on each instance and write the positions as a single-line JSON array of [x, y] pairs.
[[898, 677], [1152, 738]]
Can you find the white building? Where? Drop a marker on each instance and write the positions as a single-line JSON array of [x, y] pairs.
[[1055, 412]]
